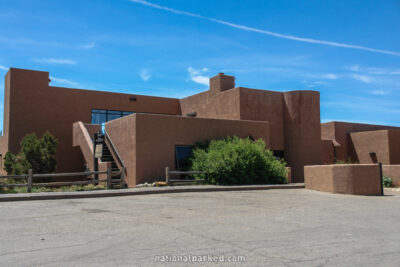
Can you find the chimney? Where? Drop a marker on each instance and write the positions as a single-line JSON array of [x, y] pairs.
[[222, 82]]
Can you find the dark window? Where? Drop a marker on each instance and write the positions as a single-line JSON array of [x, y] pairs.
[[182, 155], [100, 116], [279, 154]]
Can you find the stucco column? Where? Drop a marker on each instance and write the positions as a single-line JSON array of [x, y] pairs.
[[302, 131]]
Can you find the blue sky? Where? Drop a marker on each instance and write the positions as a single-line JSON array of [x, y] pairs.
[[347, 50]]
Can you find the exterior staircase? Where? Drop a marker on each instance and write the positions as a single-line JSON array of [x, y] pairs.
[[108, 157], [83, 135]]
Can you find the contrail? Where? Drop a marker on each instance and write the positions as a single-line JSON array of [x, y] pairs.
[[275, 34]]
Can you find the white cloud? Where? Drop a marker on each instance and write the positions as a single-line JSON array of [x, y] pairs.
[[374, 70], [145, 75], [362, 78], [3, 67], [88, 46], [313, 84], [383, 71], [354, 68], [275, 34], [330, 76], [379, 92], [55, 61], [63, 81], [197, 75]]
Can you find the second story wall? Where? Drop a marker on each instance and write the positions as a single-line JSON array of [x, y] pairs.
[[262, 105], [213, 104], [34, 106]]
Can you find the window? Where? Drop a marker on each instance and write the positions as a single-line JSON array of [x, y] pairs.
[[279, 154], [112, 115], [182, 155], [126, 113], [100, 116]]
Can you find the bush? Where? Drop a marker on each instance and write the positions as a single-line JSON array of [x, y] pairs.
[[235, 161], [36, 154], [347, 161], [387, 181]]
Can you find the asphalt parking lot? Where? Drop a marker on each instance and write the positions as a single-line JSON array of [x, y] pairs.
[[290, 227]]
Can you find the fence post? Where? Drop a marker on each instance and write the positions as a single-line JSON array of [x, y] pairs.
[[30, 178], [108, 177], [122, 177], [381, 177], [166, 175]]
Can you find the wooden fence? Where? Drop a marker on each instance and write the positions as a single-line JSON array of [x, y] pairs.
[[31, 175], [168, 174]]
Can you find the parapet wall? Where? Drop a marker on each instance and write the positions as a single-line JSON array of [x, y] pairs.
[[353, 179]]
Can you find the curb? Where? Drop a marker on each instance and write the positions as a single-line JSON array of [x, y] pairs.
[[140, 191]]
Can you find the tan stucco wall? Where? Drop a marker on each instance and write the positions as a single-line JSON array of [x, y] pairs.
[[147, 143], [123, 135], [262, 105], [213, 104], [302, 131], [34, 106], [365, 143], [340, 131], [354, 179], [293, 116], [328, 131], [392, 171]]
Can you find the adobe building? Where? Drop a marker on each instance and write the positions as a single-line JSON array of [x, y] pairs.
[[362, 143], [145, 133]]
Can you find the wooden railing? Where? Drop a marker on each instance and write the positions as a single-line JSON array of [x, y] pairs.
[[31, 175], [168, 174]]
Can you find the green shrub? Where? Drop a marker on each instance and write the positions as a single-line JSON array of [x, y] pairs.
[[235, 161], [387, 181], [347, 161], [36, 154]]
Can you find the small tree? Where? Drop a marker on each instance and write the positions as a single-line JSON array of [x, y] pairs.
[[36, 154]]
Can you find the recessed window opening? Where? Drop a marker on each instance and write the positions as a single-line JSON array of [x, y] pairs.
[[182, 156], [100, 116]]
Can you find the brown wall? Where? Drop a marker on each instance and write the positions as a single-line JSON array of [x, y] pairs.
[[261, 105], [327, 152], [147, 141], [240, 103], [293, 116], [328, 131], [302, 131], [364, 143], [394, 144], [31, 105], [122, 132], [213, 104], [354, 179], [339, 131]]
